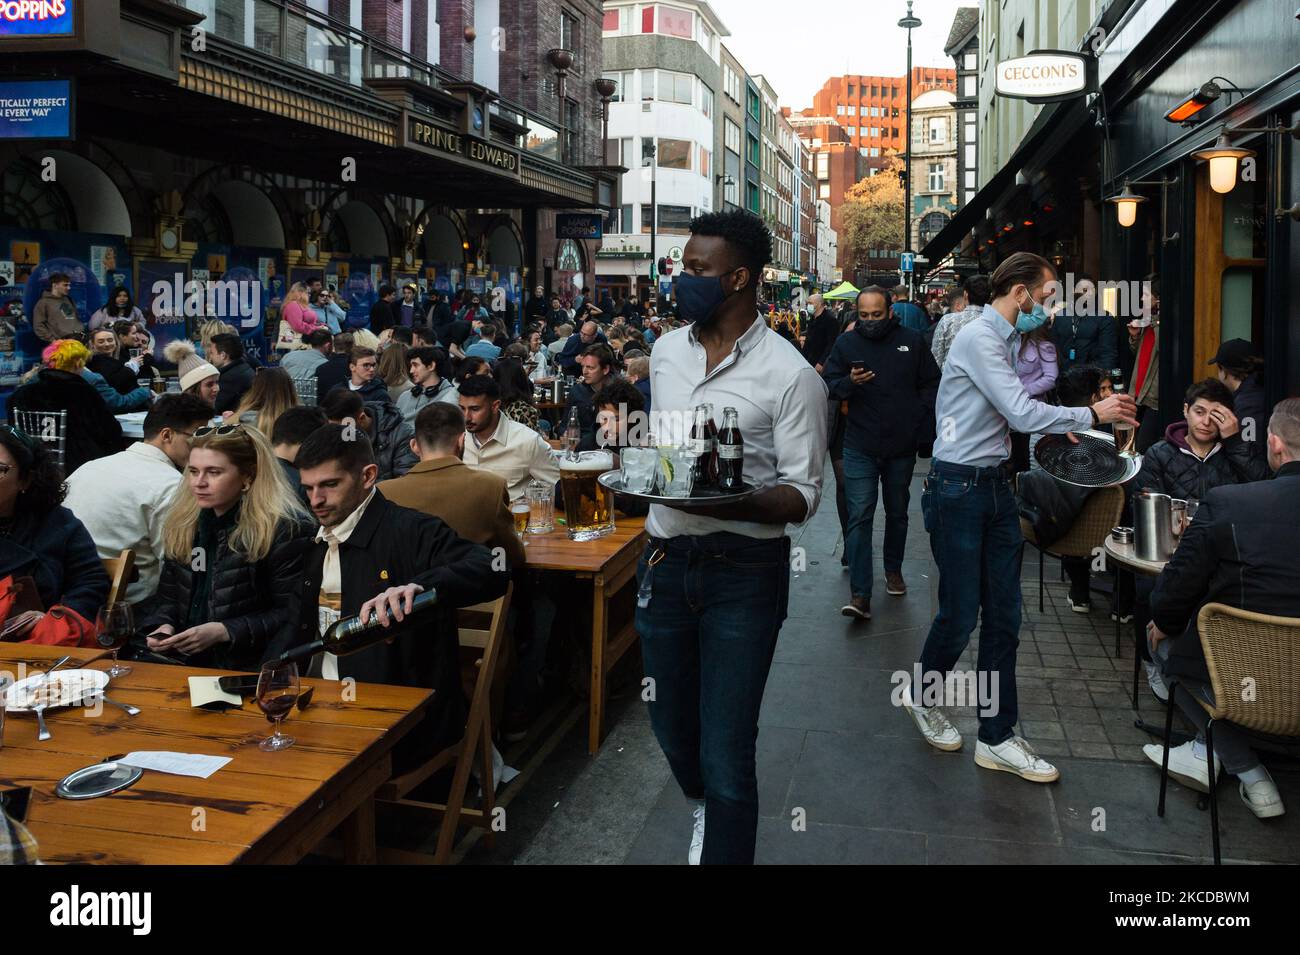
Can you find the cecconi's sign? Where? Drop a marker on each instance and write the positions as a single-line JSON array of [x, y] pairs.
[[1043, 75]]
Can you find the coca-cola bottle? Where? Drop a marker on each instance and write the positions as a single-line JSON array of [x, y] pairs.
[[703, 446], [731, 453], [711, 431]]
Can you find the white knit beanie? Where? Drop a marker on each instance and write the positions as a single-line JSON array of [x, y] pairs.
[[189, 365]]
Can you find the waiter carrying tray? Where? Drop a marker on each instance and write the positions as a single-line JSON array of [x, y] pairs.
[[714, 582], [972, 518]]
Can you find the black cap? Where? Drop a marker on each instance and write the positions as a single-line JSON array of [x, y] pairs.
[[1234, 353]]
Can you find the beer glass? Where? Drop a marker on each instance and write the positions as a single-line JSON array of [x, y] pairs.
[[588, 507], [1125, 434], [520, 510]]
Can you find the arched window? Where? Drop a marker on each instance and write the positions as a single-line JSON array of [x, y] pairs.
[[29, 203], [932, 224]]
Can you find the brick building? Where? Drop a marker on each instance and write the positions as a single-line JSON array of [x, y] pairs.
[[872, 109]]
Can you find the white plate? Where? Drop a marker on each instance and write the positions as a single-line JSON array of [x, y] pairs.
[[60, 688]]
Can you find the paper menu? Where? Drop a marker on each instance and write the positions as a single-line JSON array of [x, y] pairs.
[[178, 764]]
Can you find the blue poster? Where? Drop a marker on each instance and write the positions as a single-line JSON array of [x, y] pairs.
[[36, 18], [35, 109]]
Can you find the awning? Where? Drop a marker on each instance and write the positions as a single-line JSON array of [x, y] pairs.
[[1055, 126], [845, 291]]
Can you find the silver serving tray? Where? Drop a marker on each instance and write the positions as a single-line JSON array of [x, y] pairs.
[[613, 480], [100, 779], [1132, 464]]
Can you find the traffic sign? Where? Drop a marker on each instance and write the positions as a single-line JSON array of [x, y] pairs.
[[905, 261]]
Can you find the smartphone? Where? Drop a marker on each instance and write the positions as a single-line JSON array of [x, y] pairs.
[[244, 684], [859, 366]]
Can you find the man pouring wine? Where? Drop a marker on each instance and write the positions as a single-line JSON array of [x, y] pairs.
[[371, 555]]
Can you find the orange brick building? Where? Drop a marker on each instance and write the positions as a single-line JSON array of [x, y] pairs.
[[872, 109]]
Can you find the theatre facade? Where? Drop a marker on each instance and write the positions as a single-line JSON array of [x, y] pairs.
[[146, 142]]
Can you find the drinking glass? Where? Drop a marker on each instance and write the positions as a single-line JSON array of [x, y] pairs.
[[640, 467], [278, 689], [677, 469], [114, 625], [519, 511], [541, 507]]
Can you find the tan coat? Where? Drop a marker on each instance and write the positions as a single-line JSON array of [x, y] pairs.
[[471, 502], [55, 318]]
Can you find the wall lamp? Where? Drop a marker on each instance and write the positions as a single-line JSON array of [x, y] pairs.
[[1223, 158], [1126, 204]]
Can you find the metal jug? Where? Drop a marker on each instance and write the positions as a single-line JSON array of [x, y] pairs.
[[559, 390], [1153, 535]]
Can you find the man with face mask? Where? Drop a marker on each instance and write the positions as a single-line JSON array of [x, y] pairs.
[[889, 378], [971, 515], [714, 581]]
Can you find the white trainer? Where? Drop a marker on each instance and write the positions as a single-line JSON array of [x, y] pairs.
[[1016, 756], [933, 723], [1190, 769], [1262, 798], [697, 837], [1156, 680]]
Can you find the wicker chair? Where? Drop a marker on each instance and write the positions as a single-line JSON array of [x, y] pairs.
[[1101, 512], [1240, 645]]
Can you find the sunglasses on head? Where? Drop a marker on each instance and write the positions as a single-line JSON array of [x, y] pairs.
[[219, 430]]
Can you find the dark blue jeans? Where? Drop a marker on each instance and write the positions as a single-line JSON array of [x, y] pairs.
[[864, 476], [717, 603], [974, 526]]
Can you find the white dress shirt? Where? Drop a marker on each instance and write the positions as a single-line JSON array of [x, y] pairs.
[[981, 397], [543, 365], [781, 403], [331, 576], [123, 501], [516, 452]]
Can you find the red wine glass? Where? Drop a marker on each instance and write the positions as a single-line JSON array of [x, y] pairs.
[[277, 691]]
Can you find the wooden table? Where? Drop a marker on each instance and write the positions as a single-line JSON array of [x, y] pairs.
[[259, 808], [610, 564]]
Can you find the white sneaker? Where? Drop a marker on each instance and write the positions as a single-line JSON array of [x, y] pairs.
[[1016, 756], [1081, 606], [1127, 618], [1156, 680], [1262, 798], [697, 837], [933, 724], [1185, 765]]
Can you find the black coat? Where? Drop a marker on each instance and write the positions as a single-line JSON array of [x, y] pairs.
[[114, 371], [1090, 337], [893, 414], [455, 332], [56, 551], [392, 546], [822, 332], [391, 440], [568, 358], [1238, 550], [1169, 467], [236, 379], [439, 316], [253, 600], [93, 432], [331, 372], [582, 398], [1251, 408], [381, 316], [375, 390]]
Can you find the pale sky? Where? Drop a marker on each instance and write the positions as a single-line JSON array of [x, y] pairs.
[[799, 45]]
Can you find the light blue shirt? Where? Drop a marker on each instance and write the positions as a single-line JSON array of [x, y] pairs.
[[331, 316], [981, 398], [484, 349]]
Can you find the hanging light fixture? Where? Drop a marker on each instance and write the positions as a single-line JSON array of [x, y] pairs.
[[1223, 158], [1126, 204]]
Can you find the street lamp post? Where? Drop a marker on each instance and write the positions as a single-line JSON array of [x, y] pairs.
[[648, 151], [909, 23]]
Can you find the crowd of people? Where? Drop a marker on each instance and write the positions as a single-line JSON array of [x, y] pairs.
[[426, 419]]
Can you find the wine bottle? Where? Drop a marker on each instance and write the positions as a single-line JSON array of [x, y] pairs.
[[351, 634]]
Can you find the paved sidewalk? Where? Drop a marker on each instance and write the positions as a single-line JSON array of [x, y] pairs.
[[844, 777]]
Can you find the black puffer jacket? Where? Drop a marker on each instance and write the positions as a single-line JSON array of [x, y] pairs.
[[93, 432], [1170, 467], [1251, 408], [254, 601], [391, 440]]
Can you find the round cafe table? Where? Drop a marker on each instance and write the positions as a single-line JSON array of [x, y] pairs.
[[1125, 555]]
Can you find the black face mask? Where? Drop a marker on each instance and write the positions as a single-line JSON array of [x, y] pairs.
[[878, 329]]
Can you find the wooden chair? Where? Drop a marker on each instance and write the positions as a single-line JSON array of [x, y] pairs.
[[121, 571], [1241, 645], [476, 744], [1101, 512]]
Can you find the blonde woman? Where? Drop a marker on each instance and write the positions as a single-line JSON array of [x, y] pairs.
[[272, 394], [209, 329], [296, 318], [234, 542], [394, 370]]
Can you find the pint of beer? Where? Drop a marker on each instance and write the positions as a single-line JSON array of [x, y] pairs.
[[588, 507], [1124, 438], [519, 510]]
